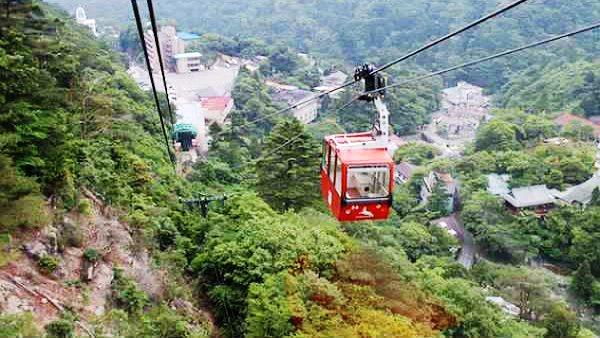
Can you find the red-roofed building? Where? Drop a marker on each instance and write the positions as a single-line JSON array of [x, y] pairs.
[[216, 108], [567, 118]]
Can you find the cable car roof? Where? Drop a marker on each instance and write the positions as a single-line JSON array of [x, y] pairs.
[[365, 156]]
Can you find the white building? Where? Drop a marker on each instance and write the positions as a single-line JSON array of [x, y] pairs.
[[81, 18], [305, 113], [188, 62], [465, 99], [332, 81]]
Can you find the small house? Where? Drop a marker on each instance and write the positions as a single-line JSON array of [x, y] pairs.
[[537, 198]]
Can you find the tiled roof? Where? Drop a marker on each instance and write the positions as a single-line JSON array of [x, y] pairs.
[[566, 118], [215, 103], [581, 193], [405, 169], [530, 196]]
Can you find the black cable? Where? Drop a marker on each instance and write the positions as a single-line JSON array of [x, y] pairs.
[[451, 35], [160, 59], [390, 64], [138, 22], [488, 58]]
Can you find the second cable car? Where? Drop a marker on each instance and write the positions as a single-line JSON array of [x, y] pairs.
[[356, 169]]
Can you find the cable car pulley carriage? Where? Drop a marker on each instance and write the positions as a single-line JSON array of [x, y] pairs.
[[356, 169]]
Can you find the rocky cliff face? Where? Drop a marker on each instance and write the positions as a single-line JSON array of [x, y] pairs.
[[78, 283]]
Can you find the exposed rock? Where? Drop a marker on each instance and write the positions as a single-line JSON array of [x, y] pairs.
[[51, 238], [35, 250]]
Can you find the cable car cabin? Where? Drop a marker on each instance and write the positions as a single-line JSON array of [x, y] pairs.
[[356, 177]]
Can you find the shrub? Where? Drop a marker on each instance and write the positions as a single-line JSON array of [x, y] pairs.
[[126, 293], [72, 234], [85, 207], [48, 264], [60, 329], [91, 255], [20, 325]]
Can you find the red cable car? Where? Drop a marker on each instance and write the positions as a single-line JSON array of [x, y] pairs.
[[356, 169]]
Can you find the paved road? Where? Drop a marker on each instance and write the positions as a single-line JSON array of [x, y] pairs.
[[466, 257]]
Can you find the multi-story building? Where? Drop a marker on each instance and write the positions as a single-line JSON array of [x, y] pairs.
[[170, 45], [465, 99]]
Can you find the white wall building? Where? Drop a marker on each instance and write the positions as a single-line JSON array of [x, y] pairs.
[[305, 113], [465, 99], [188, 62]]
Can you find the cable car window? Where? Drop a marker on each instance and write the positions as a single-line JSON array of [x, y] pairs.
[[338, 175], [368, 182], [324, 162], [332, 159]]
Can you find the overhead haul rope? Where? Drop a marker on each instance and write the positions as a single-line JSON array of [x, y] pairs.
[[160, 59], [491, 57], [386, 66], [138, 22]]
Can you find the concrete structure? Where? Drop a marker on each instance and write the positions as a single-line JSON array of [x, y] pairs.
[[170, 45], [188, 62], [404, 172], [81, 18], [331, 81], [305, 113], [216, 108], [465, 98], [498, 184], [463, 109]]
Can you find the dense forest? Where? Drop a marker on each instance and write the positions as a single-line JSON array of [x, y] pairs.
[[268, 261]]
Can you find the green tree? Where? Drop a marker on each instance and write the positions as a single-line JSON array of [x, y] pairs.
[[439, 201], [497, 135], [18, 325], [560, 322], [582, 283], [590, 94], [288, 170], [578, 131]]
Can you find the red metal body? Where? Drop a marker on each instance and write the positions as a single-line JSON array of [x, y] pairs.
[[341, 152]]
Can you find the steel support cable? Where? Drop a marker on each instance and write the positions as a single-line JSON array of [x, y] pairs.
[[488, 58], [138, 22], [390, 64], [451, 35], [160, 59]]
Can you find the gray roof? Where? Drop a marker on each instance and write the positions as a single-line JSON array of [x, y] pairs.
[[291, 96], [581, 193], [530, 196], [498, 184], [405, 169]]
